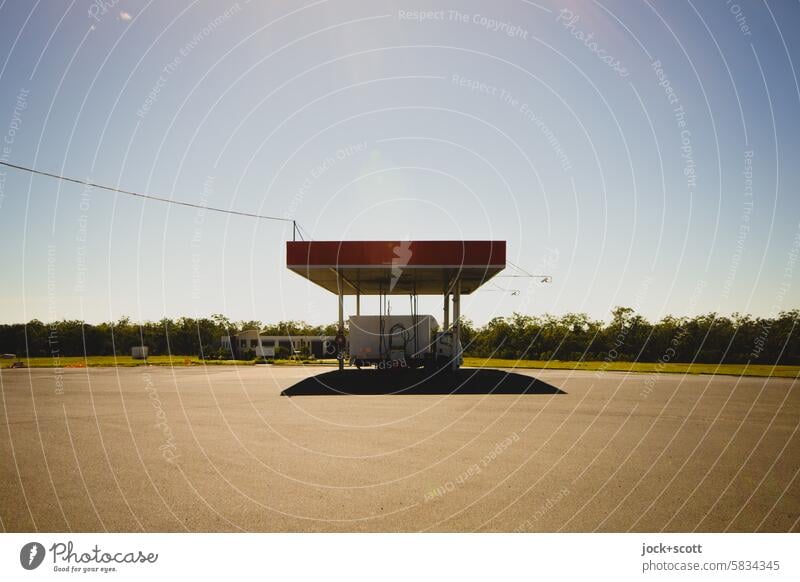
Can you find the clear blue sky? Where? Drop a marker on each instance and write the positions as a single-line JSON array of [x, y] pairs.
[[607, 142]]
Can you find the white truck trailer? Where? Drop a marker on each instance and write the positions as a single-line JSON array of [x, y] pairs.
[[400, 341]]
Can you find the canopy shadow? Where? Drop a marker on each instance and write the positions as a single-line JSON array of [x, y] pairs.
[[419, 382]]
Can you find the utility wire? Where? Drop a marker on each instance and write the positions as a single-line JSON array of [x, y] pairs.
[[520, 269], [145, 196], [301, 231], [495, 288], [526, 274]]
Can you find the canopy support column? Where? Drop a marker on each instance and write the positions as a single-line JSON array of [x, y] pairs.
[[446, 311], [456, 324], [340, 352], [358, 303]]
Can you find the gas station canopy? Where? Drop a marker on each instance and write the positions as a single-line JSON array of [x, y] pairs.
[[396, 267]]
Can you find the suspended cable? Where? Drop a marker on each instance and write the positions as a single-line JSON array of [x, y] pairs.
[[296, 230], [496, 288], [520, 269], [526, 274], [302, 231], [145, 196]]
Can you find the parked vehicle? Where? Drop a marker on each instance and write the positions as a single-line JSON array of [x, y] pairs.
[[400, 341]]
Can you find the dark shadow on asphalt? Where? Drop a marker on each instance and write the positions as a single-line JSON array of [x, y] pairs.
[[419, 382]]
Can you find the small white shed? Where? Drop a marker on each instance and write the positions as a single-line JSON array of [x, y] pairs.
[[139, 352]]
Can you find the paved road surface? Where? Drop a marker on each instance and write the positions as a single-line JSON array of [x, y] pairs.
[[220, 449]]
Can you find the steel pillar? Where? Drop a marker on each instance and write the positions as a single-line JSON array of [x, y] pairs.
[[446, 311], [340, 349], [456, 323]]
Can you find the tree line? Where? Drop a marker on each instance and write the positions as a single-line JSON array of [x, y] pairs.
[[708, 338], [183, 336], [628, 336]]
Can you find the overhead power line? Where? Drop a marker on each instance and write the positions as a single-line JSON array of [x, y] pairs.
[[526, 275], [495, 288], [147, 196]]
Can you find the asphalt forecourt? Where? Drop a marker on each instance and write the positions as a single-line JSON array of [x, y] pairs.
[[259, 448], [765, 370]]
